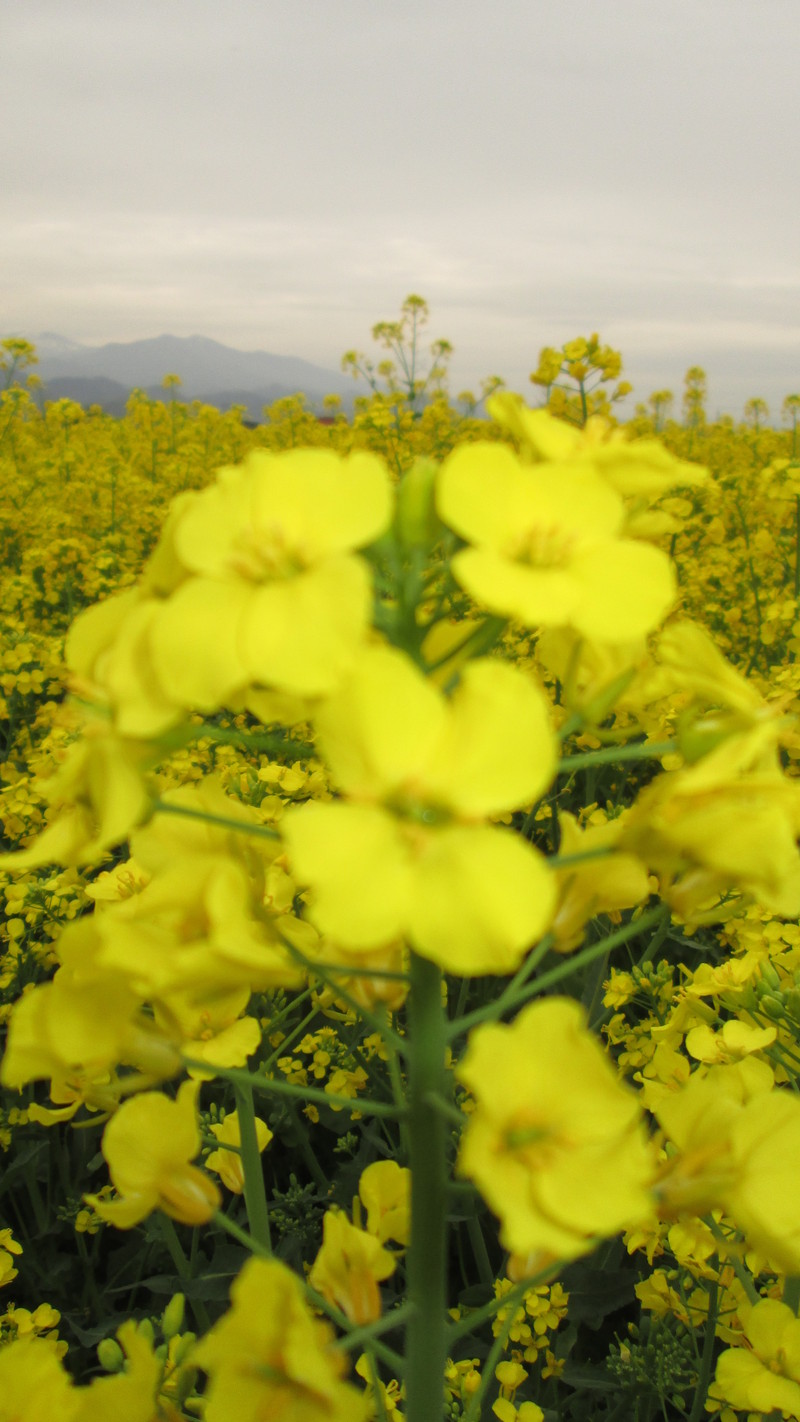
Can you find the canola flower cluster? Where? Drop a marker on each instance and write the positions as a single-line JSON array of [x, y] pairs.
[[321, 748]]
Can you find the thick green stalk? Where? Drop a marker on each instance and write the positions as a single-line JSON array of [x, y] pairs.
[[427, 1258]]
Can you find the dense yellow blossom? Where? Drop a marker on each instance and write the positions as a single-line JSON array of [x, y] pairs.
[[408, 853]]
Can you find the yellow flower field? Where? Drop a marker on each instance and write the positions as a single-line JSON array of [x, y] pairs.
[[400, 885]]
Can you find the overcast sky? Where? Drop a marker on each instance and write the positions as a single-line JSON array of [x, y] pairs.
[[279, 174]]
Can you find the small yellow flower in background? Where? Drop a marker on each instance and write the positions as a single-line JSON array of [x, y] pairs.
[[556, 1143], [385, 1192], [149, 1144], [409, 854], [227, 1164], [268, 1357], [8, 1248], [764, 1377], [349, 1266]]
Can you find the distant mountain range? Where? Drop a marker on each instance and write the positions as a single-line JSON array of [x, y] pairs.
[[217, 374]]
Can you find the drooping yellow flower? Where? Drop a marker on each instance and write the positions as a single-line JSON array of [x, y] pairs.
[[613, 881], [556, 1143], [349, 1265], [546, 546], [149, 1144], [730, 821], [409, 853], [269, 1358], [227, 1164]]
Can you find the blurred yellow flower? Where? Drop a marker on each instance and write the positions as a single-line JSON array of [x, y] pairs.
[[268, 1357], [408, 854], [556, 1143], [546, 545], [763, 1377]]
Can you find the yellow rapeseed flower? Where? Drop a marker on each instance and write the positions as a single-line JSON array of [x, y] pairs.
[[556, 1143], [149, 1144], [546, 546], [349, 1265], [268, 1357], [409, 853]]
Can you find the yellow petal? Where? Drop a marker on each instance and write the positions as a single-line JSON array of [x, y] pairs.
[[482, 896], [358, 866], [380, 729], [301, 634], [498, 750]]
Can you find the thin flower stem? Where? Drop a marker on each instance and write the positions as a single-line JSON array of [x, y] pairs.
[[183, 1269], [385, 1324], [707, 1357], [615, 755], [161, 807], [255, 1195], [272, 1086], [513, 997], [728, 1252]]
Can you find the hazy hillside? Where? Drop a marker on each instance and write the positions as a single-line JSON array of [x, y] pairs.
[[210, 371]]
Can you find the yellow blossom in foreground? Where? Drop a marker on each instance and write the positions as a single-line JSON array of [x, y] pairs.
[[33, 1385], [348, 1268], [149, 1144], [409, 854], [130, 1396], [276, 594], [765, 1377], [556, 1143], [268, 1357], [545, 545], [227, 1164]]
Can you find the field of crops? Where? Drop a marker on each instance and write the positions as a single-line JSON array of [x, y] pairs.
[[400, 975]]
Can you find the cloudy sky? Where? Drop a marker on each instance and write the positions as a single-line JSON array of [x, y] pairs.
[[279, 174]]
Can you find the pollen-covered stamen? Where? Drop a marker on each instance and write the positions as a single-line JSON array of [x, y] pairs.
[[262, 554], [541, 545]]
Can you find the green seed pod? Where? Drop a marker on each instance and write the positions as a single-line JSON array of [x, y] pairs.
[[172, 1317], [110, 1356]]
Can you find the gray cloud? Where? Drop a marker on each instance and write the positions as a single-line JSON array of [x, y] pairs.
[[281, 176]]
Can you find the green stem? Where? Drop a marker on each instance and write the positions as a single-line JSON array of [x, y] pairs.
[[272, 1086], [182, 1268], [161, 807], [255, 1195], [615, 755], [791, 1292], [427, 1257], [707, 1358], [512, 997], [728, 1251]]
